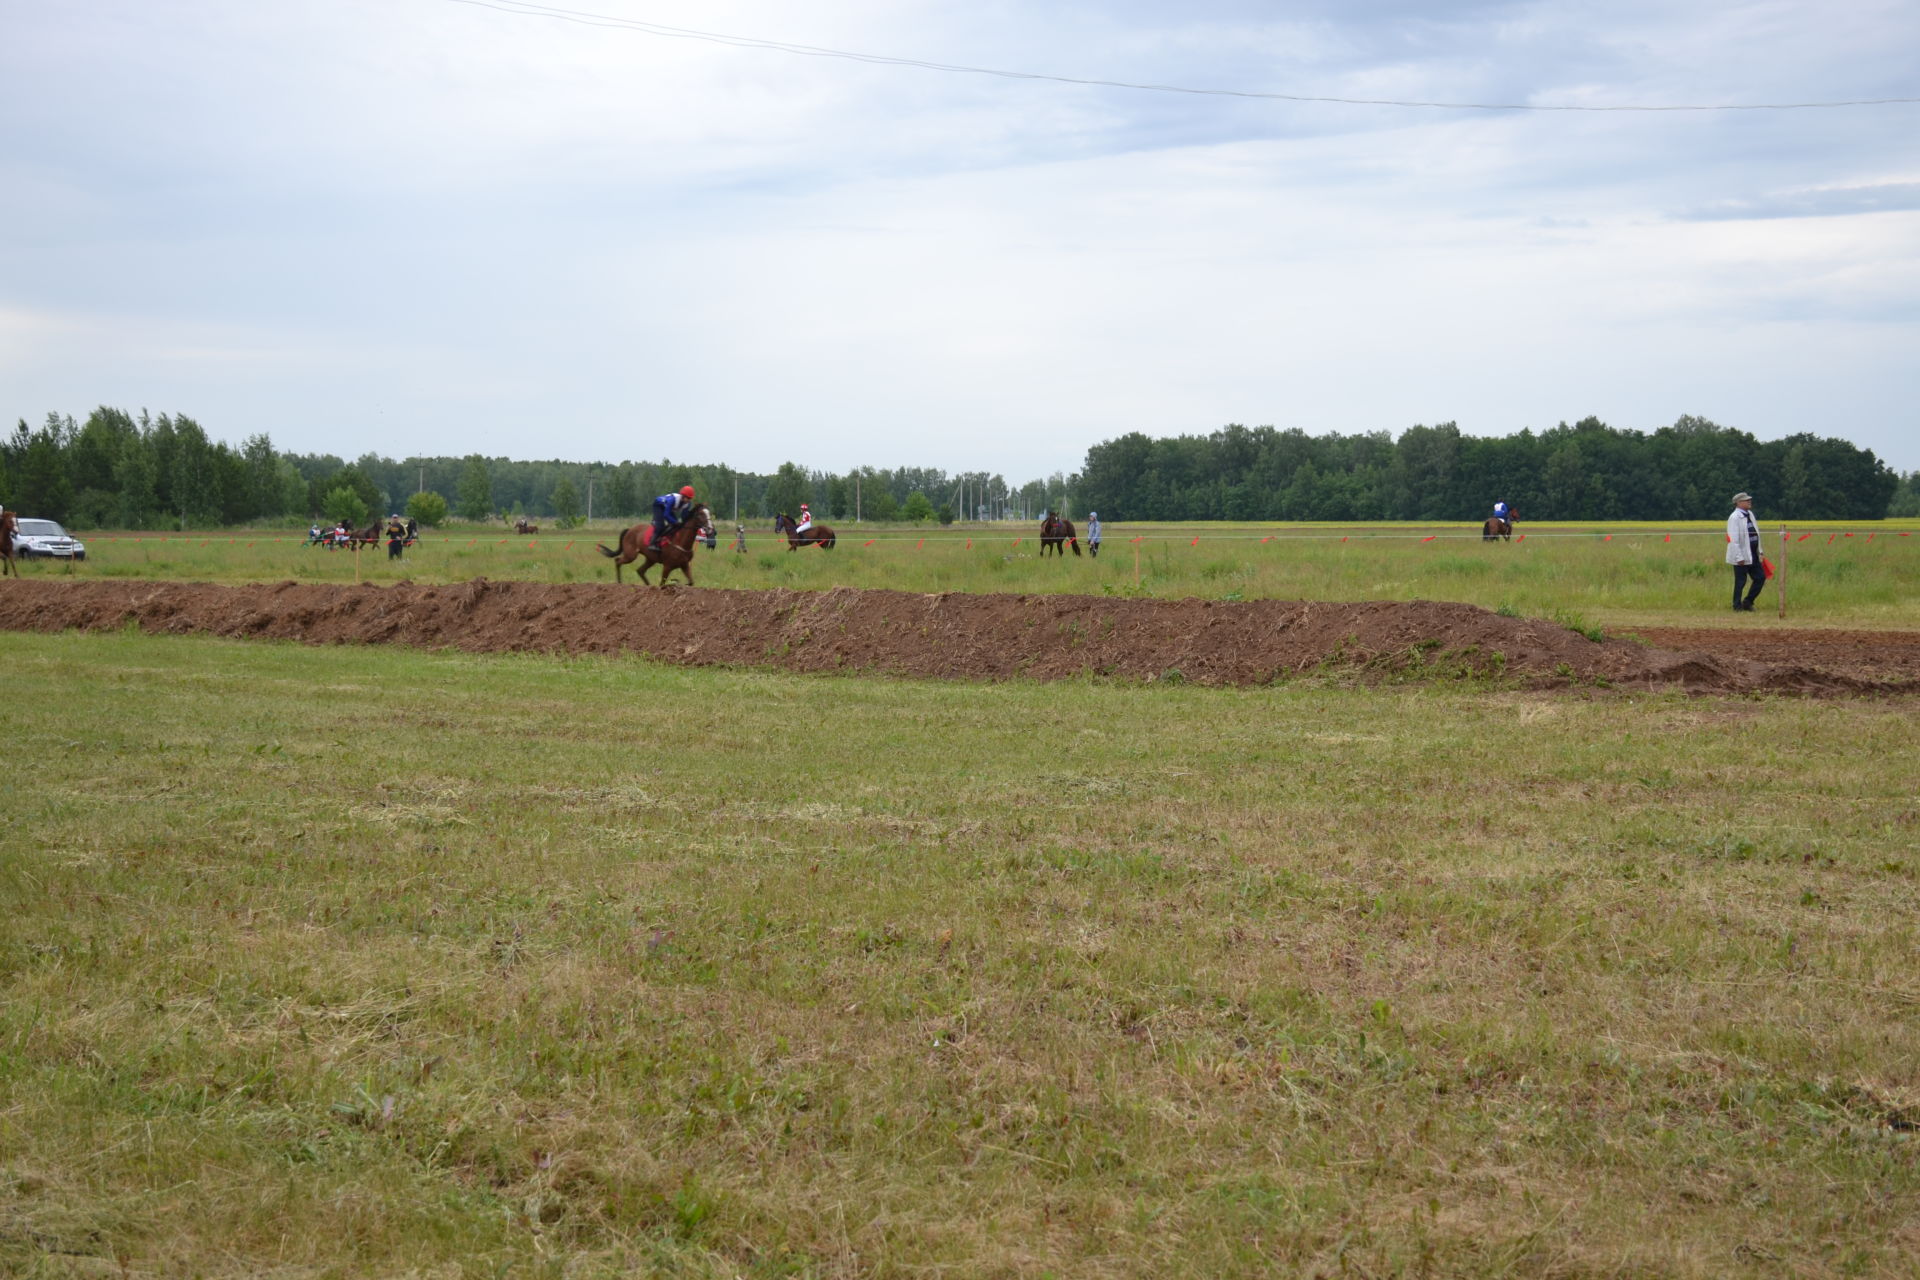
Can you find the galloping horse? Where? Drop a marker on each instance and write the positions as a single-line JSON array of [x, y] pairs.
[[676, 552], [1055, 533], [1495, 529], [819, 535], [367, 537], [7, 525]]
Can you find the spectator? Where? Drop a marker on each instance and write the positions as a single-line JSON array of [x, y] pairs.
[[1743, 552], [1093, 533], [740, 538]]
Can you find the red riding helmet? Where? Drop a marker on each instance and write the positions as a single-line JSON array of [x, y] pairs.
[[686, 491]]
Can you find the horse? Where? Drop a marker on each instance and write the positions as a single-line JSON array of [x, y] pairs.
[[367, 537], [675, 553], [1055, 533], [1495, 529], [524, 525], [819, 535], [7, 526]]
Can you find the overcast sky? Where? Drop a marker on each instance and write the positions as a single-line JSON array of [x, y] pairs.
[[433, 227]]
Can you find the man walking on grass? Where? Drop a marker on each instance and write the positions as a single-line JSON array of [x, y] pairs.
[[1743, 552]]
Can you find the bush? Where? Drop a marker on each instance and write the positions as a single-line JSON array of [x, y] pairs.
[[429, 508], [345, 506]]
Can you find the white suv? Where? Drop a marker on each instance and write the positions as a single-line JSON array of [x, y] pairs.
[[46, 538]]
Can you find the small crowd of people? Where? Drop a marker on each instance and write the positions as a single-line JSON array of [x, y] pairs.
[[399, 532]]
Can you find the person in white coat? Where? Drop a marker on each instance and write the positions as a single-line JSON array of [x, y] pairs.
[[1743, 552]]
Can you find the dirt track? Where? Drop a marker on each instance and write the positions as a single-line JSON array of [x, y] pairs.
[[982, 636]]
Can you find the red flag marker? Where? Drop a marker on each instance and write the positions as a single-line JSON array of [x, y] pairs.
[[1267, 539], [1430, 537], [1849, 535], [1136, 539], [969, 544], [501, 543], [568, 547], [869, 542], [1831, 537], [1016, 542], [1803, 537], [1871, 536], [469, 541], [1196, 540], [920, 544], [1343, 538]]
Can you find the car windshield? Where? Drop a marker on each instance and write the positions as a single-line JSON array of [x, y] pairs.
[[41, 529]]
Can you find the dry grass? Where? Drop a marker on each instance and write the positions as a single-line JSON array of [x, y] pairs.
[[341, 962]]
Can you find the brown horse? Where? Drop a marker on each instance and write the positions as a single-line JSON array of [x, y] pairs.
[[1056, 532], [1495, 529], [676, 552], [367, 537], [7, 526], [819, 535]]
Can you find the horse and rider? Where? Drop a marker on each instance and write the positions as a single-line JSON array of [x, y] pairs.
[[1056, 534], [1498, 525], [667, 540], [804, 532]]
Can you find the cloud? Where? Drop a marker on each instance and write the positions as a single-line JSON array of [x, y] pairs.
[[1813, 202], [434, 228]]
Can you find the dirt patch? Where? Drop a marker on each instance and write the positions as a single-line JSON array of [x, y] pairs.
[[951, 635], [1871, 655]]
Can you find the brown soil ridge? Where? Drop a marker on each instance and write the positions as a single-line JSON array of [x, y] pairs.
[[948, 635]]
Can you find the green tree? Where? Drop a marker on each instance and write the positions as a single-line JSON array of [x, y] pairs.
[[622, 497], [474, 499], [945, 514], [787, 490], [40, 484], [566, 504], [882, 507], [917, 508], [346, 506], [136, 478], [428, 507]]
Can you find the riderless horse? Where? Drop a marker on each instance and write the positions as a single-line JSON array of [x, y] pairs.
[[1056, 532], [674, 552], [817, 534]]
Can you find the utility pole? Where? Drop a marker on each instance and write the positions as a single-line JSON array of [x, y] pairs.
[[423, 479], [736, 499], [589, 497], [856, 497]]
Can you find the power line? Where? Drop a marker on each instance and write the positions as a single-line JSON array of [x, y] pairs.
[[526, 9]]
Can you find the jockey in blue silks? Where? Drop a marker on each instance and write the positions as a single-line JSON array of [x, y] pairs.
[[670, 511]]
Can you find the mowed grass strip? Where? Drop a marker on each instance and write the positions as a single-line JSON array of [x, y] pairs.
[[1638, 577], [357, 961]]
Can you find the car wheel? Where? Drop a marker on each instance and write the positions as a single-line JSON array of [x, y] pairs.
[[79, 555]]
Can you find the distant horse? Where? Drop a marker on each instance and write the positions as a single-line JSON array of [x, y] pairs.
[[367, 537], [1495, 529], [7, 526], [1056, 533], [819, 535], [524, 525], [675, 552]]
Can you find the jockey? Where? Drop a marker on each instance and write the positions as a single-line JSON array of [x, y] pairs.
[[1501, 511], [670, 511], [806, 520]]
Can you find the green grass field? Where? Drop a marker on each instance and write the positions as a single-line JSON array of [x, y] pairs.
[[353, 961], [1638, 577]]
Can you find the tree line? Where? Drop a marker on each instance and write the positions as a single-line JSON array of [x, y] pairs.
[[1587, 471], [118, 470]]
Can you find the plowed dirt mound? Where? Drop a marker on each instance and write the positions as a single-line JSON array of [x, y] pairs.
[[951, 635]]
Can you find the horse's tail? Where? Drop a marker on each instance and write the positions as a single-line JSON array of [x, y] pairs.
[[606, 551]]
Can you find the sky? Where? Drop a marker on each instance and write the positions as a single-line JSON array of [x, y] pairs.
[[423, 227]]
